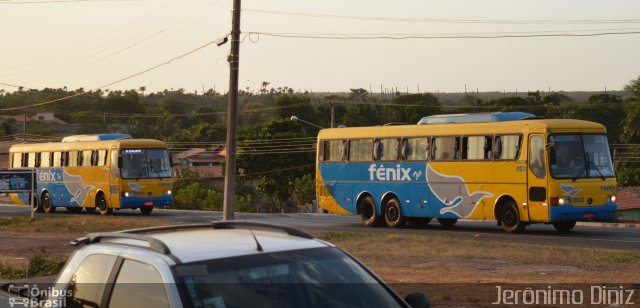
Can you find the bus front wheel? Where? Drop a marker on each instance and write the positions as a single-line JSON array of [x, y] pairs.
[[146, 210], [393, 214], [447, 222], [47, 207], [564, 226], [101, 204], [368, 213], [510, 220]]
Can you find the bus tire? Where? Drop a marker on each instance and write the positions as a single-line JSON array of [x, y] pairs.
[[564, 226], [47, 206], [101, 205], [447, 222], [393, 214], [37, 207], [146, 210], [510, 220], [368, 213]]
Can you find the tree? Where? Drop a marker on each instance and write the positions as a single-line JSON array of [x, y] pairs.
[[631, 131], [266, 150], [411, 108], [300, 106], [304, 189]]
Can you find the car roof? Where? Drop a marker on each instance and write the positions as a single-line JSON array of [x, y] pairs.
[[192, 243]]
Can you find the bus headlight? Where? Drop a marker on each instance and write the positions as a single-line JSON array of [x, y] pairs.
[[611, 199], [168, 192], [560, 201], [126, 194]]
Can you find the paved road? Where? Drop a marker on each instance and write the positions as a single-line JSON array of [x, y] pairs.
[[611, 236]]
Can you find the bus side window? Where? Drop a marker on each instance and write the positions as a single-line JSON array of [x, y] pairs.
[[333, 150], [386, 149], [507, 147], [36, 162], [360, 150], [64, 159], [476, 148], [445, 148], [17, 160], [87, 156], [45, 159], [72, 159], [102, 157]]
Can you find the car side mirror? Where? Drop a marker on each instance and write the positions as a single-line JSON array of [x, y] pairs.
[[417, 300]]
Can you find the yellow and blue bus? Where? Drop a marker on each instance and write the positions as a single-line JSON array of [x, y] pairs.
[[96, 172], [509, 167]]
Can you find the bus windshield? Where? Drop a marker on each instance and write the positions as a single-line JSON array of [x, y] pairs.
[[575, 156], [145, 163]]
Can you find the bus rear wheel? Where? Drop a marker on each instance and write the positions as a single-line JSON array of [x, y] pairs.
[[47, 207], [447, 222], [393, 214], [37, 207], [564, 226], [510, 220], [368, 213], [146, 210], [101, 204]]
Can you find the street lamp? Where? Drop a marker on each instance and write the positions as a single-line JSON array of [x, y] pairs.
[[294, 118]]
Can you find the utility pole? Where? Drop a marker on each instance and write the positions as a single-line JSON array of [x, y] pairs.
[[232, 111]]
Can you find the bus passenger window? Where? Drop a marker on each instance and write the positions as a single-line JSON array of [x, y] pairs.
[[57, 159], [25, 160], [45, 159], [102, 157], [476, 147], [386, 149], [333, 150], [507, 147], [86, 158], [360, 150], [72, 159], [415, 148], [445, 148], [17, 160]]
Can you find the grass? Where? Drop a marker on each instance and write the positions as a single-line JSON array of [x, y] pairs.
[[39, 264], [75, 224]]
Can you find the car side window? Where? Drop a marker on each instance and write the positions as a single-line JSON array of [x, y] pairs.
[[89, 281], [138, 285]]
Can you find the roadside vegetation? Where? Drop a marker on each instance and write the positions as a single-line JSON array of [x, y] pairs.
[[74, 224], [275, 154]]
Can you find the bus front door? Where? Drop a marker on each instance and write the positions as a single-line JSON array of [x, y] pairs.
[[537, 180]]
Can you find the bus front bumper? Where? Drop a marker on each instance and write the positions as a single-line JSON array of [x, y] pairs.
[[133, 202], [602, 213]]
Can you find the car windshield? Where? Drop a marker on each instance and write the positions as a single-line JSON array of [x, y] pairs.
[[319, 277], [145, 163], [580, 156]]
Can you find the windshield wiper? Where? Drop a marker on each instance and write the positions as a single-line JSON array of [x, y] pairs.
[[590, 163]]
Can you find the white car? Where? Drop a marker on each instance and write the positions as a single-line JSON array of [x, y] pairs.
[[222, 264]]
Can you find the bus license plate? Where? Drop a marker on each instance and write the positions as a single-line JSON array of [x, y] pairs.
[[148, 203]]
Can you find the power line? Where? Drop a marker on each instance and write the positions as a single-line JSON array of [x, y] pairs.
[[453, 21], [114, 82], [440, 36]]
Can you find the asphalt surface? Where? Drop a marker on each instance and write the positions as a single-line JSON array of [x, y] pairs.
[[593, 235]]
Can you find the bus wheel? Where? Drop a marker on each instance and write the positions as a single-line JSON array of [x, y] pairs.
[[368, 214], [90, 210], [101, 204], [37, 207], [510, 220], [47, 207], [564, 226], [447, 222], [393, 214], [146, 210]]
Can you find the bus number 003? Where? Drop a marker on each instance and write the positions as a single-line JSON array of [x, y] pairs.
[[521, 168]]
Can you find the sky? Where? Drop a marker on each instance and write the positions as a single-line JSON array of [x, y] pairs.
[[321, 46]]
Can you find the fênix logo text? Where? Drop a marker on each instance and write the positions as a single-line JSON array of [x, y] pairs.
[[382, 173]]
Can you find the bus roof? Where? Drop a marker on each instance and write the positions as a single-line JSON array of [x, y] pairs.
[[88, 145], [483, 128]]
